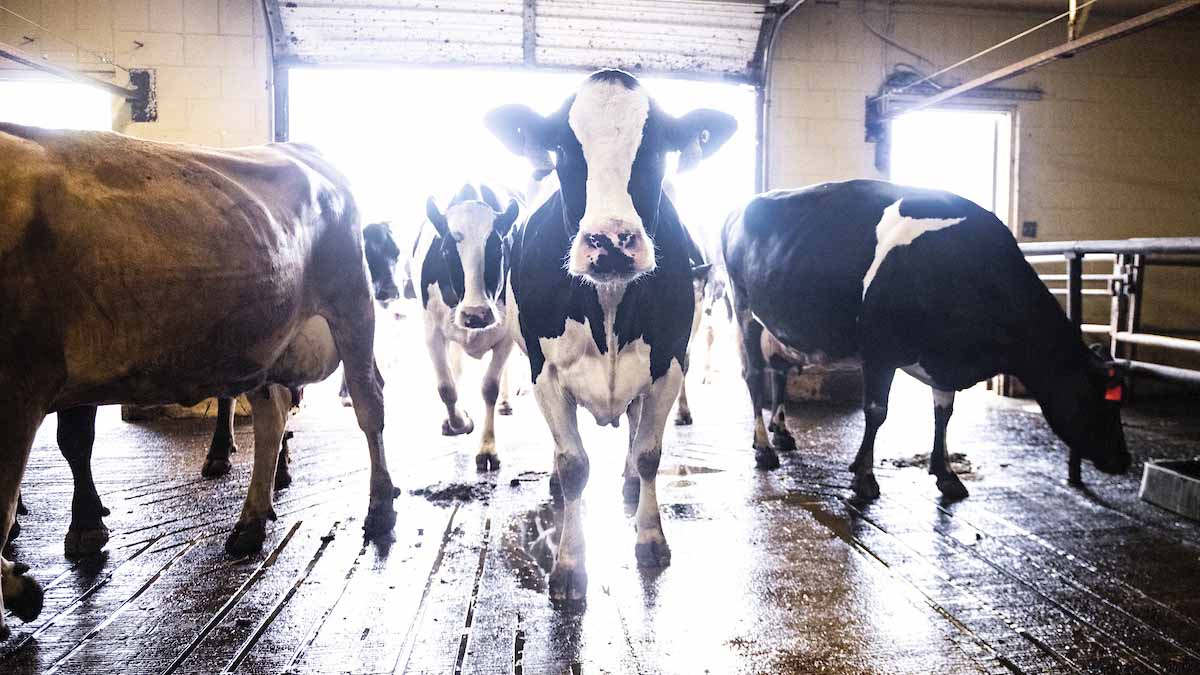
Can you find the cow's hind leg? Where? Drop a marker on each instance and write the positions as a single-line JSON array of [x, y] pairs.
[[504, 406], [781, 439], [487, 459], [568, 576], [223, 444], [283, 472], [947, 482], [753, 368], [352, 322], [15, 530], [19, 420], [683, 415], [651, 549], [76, 437], [269, 405], [877, 384]]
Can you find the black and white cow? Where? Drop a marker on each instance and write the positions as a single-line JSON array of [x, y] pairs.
[[602, 287], [462, 285], [701, 270], [917, 279]]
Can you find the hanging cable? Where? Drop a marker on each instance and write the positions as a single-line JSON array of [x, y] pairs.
[[47, 31], [862, 16], [993, 48]]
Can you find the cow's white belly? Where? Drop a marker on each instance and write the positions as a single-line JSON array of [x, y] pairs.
[[603, 383], [475, 342]]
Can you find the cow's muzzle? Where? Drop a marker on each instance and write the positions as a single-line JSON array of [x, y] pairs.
[[476, 318], [612, 254]]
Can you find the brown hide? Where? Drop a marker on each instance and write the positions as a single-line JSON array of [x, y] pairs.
[[144, 272]]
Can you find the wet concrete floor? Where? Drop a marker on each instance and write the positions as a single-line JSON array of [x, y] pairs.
[[775, 572]]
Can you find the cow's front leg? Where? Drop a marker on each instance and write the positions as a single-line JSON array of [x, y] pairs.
[[223, 444], [269, 406], [683, 414], [19, 420], [568, 576], [504, 406], [632, 485], [947, 482], [877, 384], [777, 372], [457, 422], [651, 548], [76, 436], [487, 459]]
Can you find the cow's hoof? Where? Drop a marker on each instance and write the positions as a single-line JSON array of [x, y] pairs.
[[14, 530], [783, 442], [1075, 481], [26, 601], [82, 541], [654, 553], [381, 520], [347, 402], [283, 479], [683, 419], [4, 631], [555, 489], [503, 408], [567, 584], [952, 488], [765, 458], [247, 538], [21, 509], [631, 490], [487, 462], [449, 429], [865, 487], [215, 467]]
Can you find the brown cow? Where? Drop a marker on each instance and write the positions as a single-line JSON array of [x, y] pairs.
[[141, 272]]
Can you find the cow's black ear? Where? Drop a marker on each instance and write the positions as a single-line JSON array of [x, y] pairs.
[[505, 220], [700, 133], [520, 129], [489, 198], [435, 216]]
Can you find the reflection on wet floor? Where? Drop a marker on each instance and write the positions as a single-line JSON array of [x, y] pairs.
[[773, 572]]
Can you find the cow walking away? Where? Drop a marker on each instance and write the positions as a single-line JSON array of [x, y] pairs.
[[917, 279], [141, 272], [464, 261], [602, 287], [382, 255]]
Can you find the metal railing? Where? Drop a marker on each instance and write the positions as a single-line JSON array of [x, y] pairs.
[[1124, 285]]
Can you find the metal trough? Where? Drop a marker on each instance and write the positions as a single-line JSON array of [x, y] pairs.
[[1173, 485]]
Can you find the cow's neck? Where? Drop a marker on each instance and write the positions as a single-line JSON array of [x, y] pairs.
[[610, 296]]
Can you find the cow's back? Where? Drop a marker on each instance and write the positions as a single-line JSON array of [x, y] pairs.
[[130, 261]]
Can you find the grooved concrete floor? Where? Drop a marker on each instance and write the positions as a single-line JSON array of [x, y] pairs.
[[772, 572]]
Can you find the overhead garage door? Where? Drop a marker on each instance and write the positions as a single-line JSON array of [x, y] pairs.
[[717, 38]]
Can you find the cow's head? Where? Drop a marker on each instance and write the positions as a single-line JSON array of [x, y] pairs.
[[610, 141], [382, 254], [472, 245], [1085, 410]]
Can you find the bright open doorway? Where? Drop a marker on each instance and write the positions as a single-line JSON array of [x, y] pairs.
[[402, 135], [967, 152], [55, 104]]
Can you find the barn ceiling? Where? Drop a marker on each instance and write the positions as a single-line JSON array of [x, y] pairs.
[[700, 37]]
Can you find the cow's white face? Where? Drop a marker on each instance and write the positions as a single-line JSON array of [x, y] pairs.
[[470, 225], [609, 119], [472, 249], [609, 143]]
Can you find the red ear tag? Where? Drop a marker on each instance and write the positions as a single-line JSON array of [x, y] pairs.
[[1114, 392]]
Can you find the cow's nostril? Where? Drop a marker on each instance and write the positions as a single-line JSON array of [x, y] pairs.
[[597, 241], [627, 239]]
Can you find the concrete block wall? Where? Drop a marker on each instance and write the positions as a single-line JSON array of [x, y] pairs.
[[211, 57], [1111, 151]]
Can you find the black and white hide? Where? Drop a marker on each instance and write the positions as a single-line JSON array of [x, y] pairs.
[[463, 278], [917, 279], [602, 287], [701, 270]]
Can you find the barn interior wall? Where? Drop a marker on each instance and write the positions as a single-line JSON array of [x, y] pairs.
[[211, 59], [1111, 151]]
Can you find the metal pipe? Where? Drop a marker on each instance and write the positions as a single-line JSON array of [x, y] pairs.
[[1171, 373], [1163, 341], [768, 98], [1143, 245], [11, 53]]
